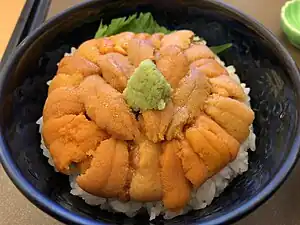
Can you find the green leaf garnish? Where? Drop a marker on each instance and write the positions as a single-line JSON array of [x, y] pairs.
[[143, 23], [220, 48]]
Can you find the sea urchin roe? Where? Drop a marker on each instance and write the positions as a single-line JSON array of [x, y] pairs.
[[147, 88], [180, 139], [146, 184]]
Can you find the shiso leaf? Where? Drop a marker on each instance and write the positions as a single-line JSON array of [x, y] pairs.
[[220, 48], [101, 30], [142, 23]]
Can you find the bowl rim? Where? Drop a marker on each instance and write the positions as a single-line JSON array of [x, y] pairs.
[[64, 215]]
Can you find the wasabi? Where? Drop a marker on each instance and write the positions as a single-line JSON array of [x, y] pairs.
[[147, 88]]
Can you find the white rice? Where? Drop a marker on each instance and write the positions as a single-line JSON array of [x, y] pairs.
[[200, 198], [73, 50]]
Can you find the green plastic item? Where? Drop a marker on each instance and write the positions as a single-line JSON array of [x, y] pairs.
[[290, 21]]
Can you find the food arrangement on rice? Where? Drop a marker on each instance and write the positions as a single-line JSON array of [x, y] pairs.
[[145, 119]]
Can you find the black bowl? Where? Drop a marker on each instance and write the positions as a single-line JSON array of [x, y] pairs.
[[259, 58]]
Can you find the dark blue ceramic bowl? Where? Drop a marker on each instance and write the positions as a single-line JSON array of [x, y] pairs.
[[259, 58]]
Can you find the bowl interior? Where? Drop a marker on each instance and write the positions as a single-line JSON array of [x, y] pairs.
[[259, 64]]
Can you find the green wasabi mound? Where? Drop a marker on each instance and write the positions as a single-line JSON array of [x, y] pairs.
[[147, 88]]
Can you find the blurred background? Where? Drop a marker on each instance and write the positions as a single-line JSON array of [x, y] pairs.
[[282, 209]]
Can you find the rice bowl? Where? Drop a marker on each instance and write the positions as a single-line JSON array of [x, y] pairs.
[[255, 53]]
